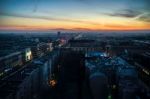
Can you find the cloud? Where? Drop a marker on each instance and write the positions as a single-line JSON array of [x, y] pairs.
[[35, 5], [127, 13], [133, 14], [144, 17], [49, 18]]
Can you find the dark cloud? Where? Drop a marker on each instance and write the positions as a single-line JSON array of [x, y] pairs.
[[128, 13], [145, 17], [35, 5], [141, 15], [50, 18]]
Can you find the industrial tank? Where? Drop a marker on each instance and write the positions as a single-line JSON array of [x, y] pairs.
[[98, 84]]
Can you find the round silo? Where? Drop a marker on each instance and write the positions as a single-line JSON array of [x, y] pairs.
[[98, 84]]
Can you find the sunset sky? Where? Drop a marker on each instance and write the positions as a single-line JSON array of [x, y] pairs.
[[93, 15]]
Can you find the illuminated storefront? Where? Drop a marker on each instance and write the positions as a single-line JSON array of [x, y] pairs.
[[28, 54]]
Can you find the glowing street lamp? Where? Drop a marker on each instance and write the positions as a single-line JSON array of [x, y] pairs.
[[52, 83]]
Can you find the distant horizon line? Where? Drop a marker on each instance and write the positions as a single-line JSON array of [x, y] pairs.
[[72, 30]]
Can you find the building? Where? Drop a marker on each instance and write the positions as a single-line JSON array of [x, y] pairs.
[[8, 62], [30, 81], [84, 45], [39, 49], [98, 84], [27, 54], [98, 81]]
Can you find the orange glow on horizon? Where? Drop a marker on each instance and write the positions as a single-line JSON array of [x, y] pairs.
[[102, 23], [98, 28], [74, 15]]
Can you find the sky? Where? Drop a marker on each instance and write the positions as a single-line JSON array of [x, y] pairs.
[[74, 15]]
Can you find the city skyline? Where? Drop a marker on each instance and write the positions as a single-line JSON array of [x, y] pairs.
[[74, 15]]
